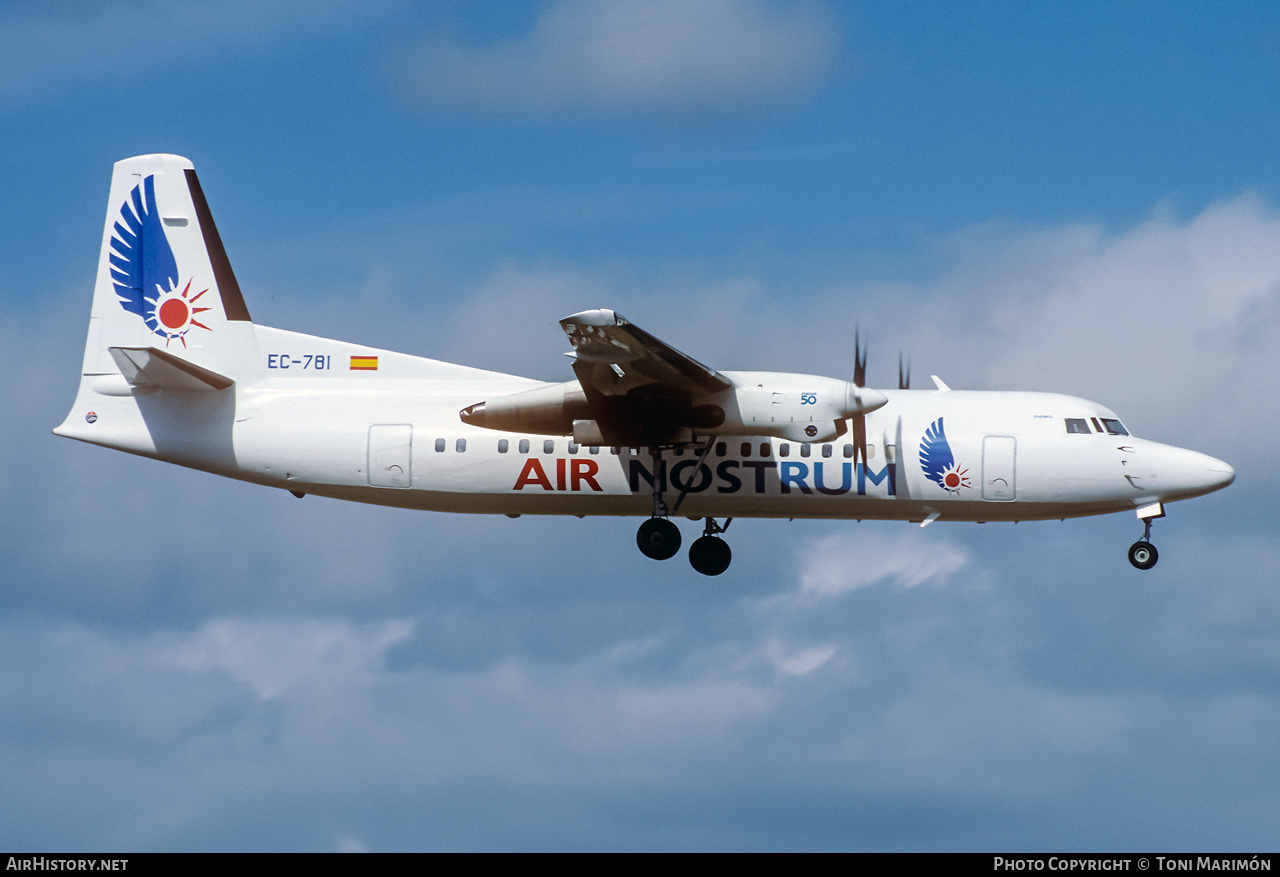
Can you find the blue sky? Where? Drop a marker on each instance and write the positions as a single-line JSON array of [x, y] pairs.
[[1079, 199]]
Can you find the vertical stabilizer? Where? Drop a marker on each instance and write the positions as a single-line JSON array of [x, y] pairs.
[[164, 280]]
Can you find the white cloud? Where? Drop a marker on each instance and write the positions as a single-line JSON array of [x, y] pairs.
[[1173, 323], [668, 56], [801, 662], [843, 562], [274, 658]]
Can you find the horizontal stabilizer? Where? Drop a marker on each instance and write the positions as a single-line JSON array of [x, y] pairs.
[[151, 367]]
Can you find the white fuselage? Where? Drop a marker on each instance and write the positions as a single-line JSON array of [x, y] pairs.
[[308, 421]]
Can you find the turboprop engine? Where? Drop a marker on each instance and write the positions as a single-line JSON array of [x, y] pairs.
[[802, 408]]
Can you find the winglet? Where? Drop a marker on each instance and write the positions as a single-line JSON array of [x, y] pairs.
[[942, 388]]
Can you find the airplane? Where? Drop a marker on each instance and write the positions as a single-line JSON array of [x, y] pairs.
[[175, 370]]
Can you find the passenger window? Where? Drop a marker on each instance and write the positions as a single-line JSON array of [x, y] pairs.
[[594, 449], [804, 449], [524, 446], [784, 450], [1114, 427], [764, 449], [549, 446], [848, 451], [573, 448], [1078, 426], [746, 449], [439, 446], [461, 446], [826, 450], [721, 449], [503, 445]]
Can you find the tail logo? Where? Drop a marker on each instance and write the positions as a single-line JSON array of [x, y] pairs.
[[939, 463], [145, 273]]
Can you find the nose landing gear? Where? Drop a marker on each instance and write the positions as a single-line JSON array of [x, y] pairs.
[[1142, 554]]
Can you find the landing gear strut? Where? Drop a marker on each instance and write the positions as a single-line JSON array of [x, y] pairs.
[[1142, 553], [659, 539]]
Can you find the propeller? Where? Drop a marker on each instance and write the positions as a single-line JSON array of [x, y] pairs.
[[859, 419]]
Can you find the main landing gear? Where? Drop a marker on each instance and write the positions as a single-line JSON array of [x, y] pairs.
[[659, 539], [1142, 553], [710, 555]]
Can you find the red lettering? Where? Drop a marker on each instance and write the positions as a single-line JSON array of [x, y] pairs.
[[532, 473], [585, 470], [560, 474]]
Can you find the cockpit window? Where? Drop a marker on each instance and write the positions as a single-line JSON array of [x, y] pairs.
[[1114, 427], [1078, 425]]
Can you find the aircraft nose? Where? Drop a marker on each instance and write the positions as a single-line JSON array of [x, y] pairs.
[[1188, 473], [1221, 473]]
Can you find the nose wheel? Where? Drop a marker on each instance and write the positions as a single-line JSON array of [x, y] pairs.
[[1142, 554]]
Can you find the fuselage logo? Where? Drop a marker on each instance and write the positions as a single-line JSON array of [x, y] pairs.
[[145, 273], [938, 463]]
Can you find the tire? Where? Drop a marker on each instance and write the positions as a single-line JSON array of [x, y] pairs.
[[710, 556], [658, 538], [1143, 554]]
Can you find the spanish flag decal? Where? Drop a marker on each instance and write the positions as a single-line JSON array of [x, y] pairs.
[[364, 363]]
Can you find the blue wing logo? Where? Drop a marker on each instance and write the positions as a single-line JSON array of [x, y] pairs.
[[144, 271], [937, 461]]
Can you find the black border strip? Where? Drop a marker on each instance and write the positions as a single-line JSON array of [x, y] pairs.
[[232, 300]]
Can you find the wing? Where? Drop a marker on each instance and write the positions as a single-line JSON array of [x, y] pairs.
[[142, 263], [638, 388], [614, 358], [935, 453]]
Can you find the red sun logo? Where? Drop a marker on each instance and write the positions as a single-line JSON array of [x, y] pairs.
[[954, 478], [176, 314]]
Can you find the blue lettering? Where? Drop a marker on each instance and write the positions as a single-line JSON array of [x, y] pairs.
[[760, 466], [846, 470], [877, 478], [638, 471], [794, 473], [732, 482], [687, 485]]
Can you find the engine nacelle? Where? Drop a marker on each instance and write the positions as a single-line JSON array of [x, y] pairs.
[[801, 408], [547, 410]]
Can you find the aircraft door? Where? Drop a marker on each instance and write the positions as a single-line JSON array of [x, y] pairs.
[[390, 454], [999, 464]]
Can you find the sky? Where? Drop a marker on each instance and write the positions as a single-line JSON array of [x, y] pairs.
[[1079, 198]]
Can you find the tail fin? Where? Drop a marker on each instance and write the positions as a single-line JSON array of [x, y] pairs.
[[164, 281]]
